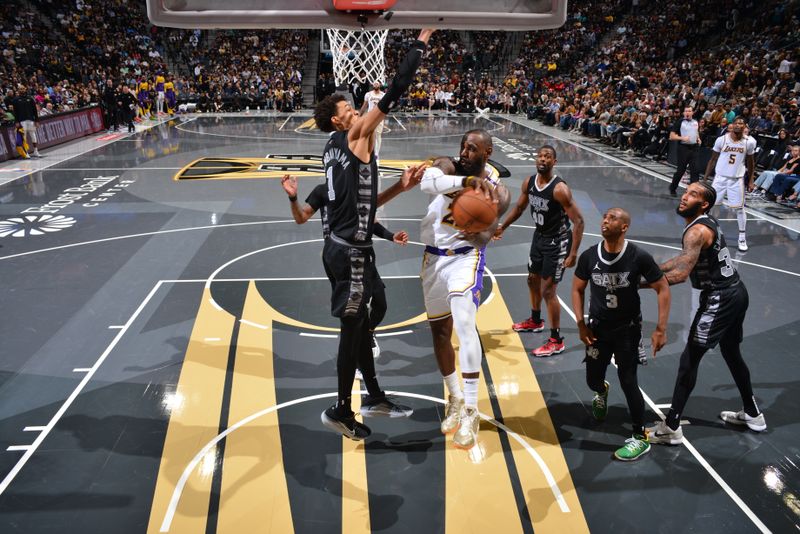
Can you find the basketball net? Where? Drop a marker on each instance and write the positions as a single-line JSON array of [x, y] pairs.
[[358, 55]]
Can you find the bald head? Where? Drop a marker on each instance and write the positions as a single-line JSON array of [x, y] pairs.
[[616, 222]]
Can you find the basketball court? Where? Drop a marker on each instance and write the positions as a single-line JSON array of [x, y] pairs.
[[168, 349]]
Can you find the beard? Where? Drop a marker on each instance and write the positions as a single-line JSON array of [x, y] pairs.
[[692, 211]]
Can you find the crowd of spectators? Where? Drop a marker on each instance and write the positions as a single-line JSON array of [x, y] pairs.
[[619, 70]]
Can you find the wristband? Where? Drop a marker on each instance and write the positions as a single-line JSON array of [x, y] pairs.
[[293, 199]]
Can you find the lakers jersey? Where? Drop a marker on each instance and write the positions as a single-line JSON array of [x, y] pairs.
[[732, 154], [438, 229]]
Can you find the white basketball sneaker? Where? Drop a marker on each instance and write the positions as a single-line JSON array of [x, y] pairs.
[[756, 424]]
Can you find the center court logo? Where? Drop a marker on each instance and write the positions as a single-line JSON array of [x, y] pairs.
[[275, 166], [30, 225]]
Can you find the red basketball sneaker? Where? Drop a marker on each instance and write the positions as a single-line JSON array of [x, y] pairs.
[[553, 346], [528, 325]]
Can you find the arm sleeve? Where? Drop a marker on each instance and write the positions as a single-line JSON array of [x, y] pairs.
[[582, 268], [648, 267], [379, 230], [435, 182], [718, 143], [316, 199], [405, 75]]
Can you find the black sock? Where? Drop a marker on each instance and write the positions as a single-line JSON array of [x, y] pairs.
[[342, 408], [536, 315], [555, 333]]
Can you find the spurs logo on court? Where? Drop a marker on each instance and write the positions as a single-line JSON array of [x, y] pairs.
[[611, 281], [276, 165], [34, 225]]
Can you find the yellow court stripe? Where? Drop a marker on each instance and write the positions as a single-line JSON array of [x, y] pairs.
[[478, 493], [254, 495], [194, 421], [525, 412], [355, 494]]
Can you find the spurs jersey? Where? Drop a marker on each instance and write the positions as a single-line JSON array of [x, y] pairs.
[[352, 191], [614, 282], [714, 269], [732, 155], [316, 199], [438, 229], [548, 214]]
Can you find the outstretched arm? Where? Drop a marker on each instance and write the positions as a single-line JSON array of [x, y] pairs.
[[578, 295], [563, 195], [659, 337], [360, 133], [516, 211], [303, 213], [677, 269], [411, 177]]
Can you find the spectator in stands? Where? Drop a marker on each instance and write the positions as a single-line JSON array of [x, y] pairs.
[[765, 179]]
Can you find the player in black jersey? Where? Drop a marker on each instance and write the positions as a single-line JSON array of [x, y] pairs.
[[316, 202], [719, 319], [351, 173], [613, 270], [554, 248]]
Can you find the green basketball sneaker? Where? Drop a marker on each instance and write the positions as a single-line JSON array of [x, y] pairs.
[[634, 448], [600, 404]]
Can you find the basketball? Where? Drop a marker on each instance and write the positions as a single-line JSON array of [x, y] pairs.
[[473, 212]]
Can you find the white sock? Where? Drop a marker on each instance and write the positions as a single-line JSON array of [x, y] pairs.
[[453, 385], [741, 218], [471, 392]]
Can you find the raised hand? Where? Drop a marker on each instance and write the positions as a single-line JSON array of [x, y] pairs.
[[289, 184]]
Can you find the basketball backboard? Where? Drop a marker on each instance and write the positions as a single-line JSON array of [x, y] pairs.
[[510, 15]]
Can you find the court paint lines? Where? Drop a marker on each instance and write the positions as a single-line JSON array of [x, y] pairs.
[[397, 219], [72, 156], [33, 429], [255, 325], [694, 452], [638, 168], [309, 334], [74, 395], [400, 123], [400, 333], [284, 123], [13, 448], [661, 245], [81, 369], [115, 327], [190, 467]]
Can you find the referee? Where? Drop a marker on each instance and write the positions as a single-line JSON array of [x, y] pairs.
[[685, 132]]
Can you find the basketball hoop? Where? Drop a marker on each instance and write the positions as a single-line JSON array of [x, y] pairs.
[[358, 55]]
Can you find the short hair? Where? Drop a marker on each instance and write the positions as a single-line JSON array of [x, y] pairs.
[[739, 118], [623, 214], [480, 132], [709, 194], [326, 110], [550, 148]]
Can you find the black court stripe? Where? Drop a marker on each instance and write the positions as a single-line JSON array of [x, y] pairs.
[[216, 481], [516, 486]]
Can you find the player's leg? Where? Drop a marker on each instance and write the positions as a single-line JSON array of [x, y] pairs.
[[434, 291], [343, 265], [626, 354], [533, 323], [598, 357], [735, 201], [469, 357], [730, 346], [555, 253], [684, 153]]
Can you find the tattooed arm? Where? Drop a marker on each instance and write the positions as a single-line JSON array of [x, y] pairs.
[[678, 268]]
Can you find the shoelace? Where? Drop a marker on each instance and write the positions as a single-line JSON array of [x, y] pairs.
[[600, 401], [632, 444]]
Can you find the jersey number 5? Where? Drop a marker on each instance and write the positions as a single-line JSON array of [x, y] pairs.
[[732, 159]]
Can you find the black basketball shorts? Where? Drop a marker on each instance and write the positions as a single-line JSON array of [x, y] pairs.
[[548, 254], [354, 279], [721, 313]]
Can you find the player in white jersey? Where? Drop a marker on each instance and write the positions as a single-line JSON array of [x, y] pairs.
[[452, 277], [733, 152], [371, 100]]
